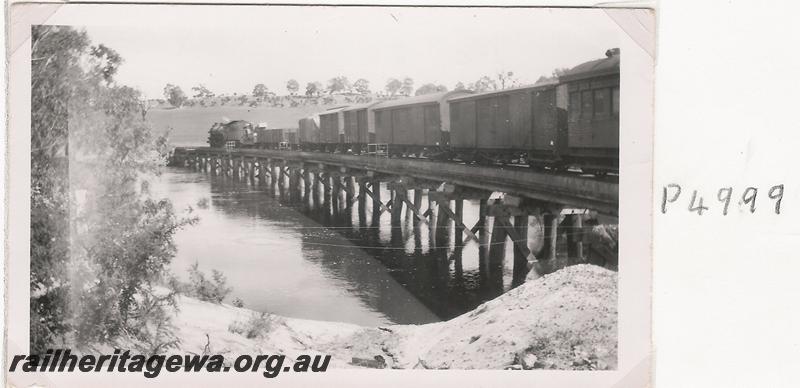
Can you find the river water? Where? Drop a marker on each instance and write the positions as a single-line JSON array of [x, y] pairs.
[[299, 261]]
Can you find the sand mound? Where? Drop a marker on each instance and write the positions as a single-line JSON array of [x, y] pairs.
[[565, 320]]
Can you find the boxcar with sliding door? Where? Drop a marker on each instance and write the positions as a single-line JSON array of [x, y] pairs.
[[291, 138], [418, 125], [277, 138], [517, 124], [331, 129], [262, 137], [308, 133], [359, 127]]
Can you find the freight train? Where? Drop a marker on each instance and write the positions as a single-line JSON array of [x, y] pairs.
[[243, 134], [568, 122]]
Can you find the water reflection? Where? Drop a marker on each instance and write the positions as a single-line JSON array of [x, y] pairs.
[[309, 251], [438, 276]]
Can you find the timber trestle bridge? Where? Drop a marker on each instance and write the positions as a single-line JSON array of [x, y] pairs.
[[562, 202]]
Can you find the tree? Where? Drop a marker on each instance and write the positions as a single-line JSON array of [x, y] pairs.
[[560, 71], [144, 105], [408, 86], [338, 84], [556, 73], [543, 79], [393, 86], [201, 91], [506, 79], [430, 88], [54, 53], [174, 95], [484, 84], [313, 89], [110, 61], [260, 91], [292, 86], [95, 262], [361, 86], [460, 86]]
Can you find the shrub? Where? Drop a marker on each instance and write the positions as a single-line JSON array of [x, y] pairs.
[[202, 203], [258, 325], [210, 290], [152, 329]]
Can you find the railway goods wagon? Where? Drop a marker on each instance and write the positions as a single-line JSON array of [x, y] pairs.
[[593, 113], [262, 137], [292, 138], [277, 138], [415, 125], [260, 133], [308, 133], [331, 129], [506, 125], [359, 126]]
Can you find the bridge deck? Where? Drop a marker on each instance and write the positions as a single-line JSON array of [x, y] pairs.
[[571, 191]]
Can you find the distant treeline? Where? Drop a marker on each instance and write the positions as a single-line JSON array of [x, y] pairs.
[[316, 94]]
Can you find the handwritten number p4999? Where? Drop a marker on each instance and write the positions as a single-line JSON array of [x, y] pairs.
[[671, 193]]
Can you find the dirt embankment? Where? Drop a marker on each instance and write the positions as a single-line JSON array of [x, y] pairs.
[[565, 320]]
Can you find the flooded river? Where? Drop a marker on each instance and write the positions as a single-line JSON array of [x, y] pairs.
[[296, 260]]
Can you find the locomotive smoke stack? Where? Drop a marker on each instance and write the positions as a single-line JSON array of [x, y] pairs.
[[612, 52]]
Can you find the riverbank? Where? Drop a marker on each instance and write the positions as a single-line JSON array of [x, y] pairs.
[[564, 320]]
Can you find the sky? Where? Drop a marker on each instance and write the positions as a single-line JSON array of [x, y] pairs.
[[230, 49]]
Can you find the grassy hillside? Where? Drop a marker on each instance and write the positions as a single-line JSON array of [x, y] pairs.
[[190, 125]]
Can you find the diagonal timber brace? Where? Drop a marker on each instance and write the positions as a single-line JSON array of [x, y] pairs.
[[459, 223], [415, 210], [520, 242], [384, 208]]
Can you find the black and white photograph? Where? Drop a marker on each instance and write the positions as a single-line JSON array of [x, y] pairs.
[[280, 191]]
